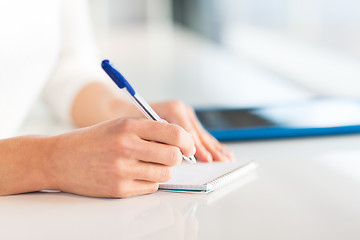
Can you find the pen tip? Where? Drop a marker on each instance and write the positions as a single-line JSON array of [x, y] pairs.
[[192, 159]]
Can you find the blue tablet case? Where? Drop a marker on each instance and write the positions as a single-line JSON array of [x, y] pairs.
[[279, 131], [258, 133]]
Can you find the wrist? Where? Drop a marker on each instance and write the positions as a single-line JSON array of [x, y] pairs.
[[46, 165], [56, 160], [24, 164]]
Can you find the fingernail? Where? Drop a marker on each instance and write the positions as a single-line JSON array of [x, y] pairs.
[[232, 157], [226, 157], [209, 157], [226, 150]]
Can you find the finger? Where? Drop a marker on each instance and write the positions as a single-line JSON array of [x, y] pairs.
[[205, 138], [218, 151], [225, 151], [219, 146], [136, 187], [151, 172], [155, 152], [202, 153], [215, 148], [170, 134]]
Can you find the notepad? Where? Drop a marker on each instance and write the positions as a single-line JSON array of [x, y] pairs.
[[205, 177]]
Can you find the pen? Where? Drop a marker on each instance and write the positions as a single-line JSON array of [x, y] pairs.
[[135, 97]]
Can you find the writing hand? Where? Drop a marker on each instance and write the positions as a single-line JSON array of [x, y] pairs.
[[118, 158]]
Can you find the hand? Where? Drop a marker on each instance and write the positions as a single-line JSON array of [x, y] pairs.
[[118, 158], [97, 103], [208, 149]]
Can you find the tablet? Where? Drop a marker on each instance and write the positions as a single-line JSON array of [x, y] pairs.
[[314, 117]]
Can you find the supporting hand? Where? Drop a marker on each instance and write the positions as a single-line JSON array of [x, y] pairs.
[[208, 149]]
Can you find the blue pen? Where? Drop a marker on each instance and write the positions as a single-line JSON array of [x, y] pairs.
[[135, 97]]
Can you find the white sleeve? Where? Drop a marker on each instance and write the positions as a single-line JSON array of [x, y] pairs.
[[78, 63]]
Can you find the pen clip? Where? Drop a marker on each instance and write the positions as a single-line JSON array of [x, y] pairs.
[[117, 77]]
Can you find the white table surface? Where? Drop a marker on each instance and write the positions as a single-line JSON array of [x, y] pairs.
[[303, 188]]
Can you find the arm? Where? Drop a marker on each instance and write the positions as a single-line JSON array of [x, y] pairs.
[[96, 103], [23, 163], [118, 158]]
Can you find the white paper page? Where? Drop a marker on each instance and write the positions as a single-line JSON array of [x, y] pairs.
[[199, 174]]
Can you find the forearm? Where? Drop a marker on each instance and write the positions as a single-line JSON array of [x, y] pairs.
[[24, 164], [96, 103]]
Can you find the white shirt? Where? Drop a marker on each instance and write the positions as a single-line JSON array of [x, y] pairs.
[[46, 47]]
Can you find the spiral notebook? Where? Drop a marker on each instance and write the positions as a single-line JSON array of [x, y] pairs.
[[205, 177]]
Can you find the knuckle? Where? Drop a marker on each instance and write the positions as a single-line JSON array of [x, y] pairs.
[[177, 133], [120, 142], [176, 107], [119, 190], [175, 156], [154, 187], [165, 174], [123, 146], [126, 124], [120, 169], [190, 109], [177, 104]]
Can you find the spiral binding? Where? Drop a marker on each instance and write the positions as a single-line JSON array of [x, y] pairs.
[[229, 176]]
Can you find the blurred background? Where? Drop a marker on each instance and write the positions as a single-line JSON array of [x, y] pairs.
[[251, 51], [228, 53]]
